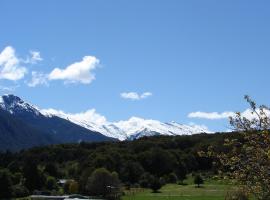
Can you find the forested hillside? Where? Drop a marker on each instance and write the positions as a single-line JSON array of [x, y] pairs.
[[135, 162]]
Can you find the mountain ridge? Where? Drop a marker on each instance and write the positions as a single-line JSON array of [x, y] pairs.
[[39, 126], [132, 128], [61, 127]]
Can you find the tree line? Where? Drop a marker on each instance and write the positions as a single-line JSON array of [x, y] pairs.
[[148, 162]]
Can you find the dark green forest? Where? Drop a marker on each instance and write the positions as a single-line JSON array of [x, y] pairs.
[[147, 162]]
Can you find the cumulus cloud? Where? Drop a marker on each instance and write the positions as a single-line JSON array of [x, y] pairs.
[[89, 116], [10, 65], [210, 115], [34, 57], [11, 68], [251, 115], [135, 95], [38, 79], [224, 115], [8, 88], [78, 72]]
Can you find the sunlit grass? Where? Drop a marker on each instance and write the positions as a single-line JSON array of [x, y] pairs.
[[211, 190]]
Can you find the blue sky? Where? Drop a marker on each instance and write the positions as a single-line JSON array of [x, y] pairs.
[[176, 56]]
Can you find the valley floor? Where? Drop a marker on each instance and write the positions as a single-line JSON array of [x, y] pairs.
[[209, 191]]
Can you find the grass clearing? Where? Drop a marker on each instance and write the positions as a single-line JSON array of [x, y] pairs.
[[211, 190]]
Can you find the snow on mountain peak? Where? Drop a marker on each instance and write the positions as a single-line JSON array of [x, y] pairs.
[[132, 128], [12, 103]]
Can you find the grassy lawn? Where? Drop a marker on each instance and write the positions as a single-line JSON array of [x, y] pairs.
[[211, 190]]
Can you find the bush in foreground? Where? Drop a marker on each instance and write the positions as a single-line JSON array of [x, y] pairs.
[[198, 180], [155, 184], [236, 195]]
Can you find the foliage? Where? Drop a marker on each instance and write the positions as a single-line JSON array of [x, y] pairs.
[[145, 180], [20, 191], [155, 184], [5, 184], [103, 183], [198, 180], [51, 183], [236, 195], [162, 160], [51, 169], [131, 172], [34, 179], [171, 178], [136, 162], [17, 178], [73, 187], [247, 158], [66, 187]]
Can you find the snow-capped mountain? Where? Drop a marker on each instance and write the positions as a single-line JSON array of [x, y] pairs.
[[126, 130], [82, 125], [14, 104], [19, 118]]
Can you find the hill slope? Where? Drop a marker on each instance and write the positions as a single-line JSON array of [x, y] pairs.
[[29, 121], [15, 134], [133, 128]]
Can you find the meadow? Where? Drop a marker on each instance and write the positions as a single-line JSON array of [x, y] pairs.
[[211, 190]]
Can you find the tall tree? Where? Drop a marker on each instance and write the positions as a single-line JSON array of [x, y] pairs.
[[155, 184], [34, 180], [248, 157], [198, 180], [5, 184], [103, 183]]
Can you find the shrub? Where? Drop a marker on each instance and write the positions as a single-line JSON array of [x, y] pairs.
[[103, 183], [198, 180], [155, 184], [66, 187], [145, 180], [236, 195], [6, 184], [73, 187], [51, 183], [20, 191], [171, 178]]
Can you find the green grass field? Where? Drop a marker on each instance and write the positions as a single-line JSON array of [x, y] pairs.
[[211, 190]]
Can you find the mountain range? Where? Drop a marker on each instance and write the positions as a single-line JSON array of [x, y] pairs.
[[133, 128], [23, 125]]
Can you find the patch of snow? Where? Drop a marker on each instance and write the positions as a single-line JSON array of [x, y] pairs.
[[132, 128]]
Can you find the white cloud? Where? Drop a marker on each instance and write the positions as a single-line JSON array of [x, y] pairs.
[[210, 115], [8, 88], [135, 95], [250, 115], [38, 79], [10, 65], [200, 127], [89, 116], [146, 94], [35, 57], [224, 115], [78, 72]]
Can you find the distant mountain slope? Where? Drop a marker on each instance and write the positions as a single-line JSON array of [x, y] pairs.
[[16, 135], [21, 119], [29, 117], [133, 128]]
